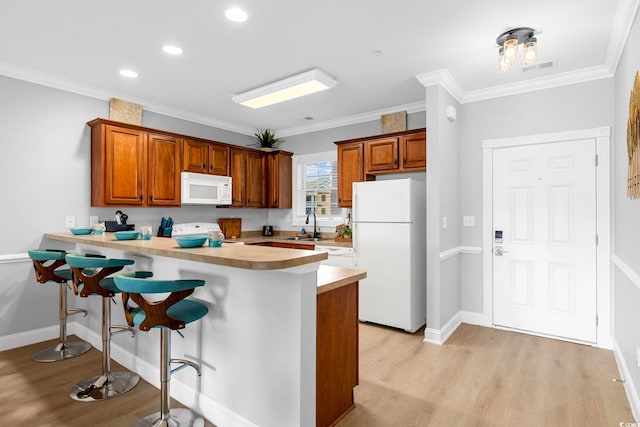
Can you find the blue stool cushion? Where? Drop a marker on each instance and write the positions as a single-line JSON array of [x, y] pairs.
[[186, 310], [46, 254]]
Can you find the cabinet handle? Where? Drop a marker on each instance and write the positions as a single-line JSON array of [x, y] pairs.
[[204, 167], [152, 198], [141, 197], [211, 168]]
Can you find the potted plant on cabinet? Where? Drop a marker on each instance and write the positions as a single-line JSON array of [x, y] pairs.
[[266, 140]]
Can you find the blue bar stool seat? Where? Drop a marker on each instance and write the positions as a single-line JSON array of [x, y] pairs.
[[46, 263], [171, 313], [90, 278]]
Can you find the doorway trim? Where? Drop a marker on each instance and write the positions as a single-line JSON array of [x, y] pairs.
[[602, 136]]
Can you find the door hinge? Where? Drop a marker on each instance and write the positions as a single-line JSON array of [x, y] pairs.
[[596, 320], [596, 160], [596, 240]]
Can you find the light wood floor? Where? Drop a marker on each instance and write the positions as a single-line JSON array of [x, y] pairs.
[[480, 377], [36, 394], [484, 377]]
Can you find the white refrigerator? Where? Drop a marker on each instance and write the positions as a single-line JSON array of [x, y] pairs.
[[389, 242]]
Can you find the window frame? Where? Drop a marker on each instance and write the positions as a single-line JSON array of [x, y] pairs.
[[297, 194]]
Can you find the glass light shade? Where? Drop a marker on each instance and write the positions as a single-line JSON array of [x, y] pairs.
[[530, 52], [504, 66], [510, 47]]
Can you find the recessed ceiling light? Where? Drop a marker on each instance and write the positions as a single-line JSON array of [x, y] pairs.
[[128, 73], [236, 14], [172, 50]]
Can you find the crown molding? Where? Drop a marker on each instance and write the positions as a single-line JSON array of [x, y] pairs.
[[44, 79], [443, 78], [561, 79], [622, 24], [413, 107]]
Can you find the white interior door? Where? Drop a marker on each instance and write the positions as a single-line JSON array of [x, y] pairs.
[[544, 270]]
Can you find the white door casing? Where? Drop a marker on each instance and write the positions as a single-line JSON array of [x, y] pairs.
[[544, 210], [601, 136]]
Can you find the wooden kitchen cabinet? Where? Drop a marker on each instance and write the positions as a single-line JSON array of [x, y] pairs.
[[163, 171], [381, 155], [256, 180], [413, 151], [361, 159], [118, 166], [279, 171], [238, 173], [205, 157], [131, 167], [350, 170]]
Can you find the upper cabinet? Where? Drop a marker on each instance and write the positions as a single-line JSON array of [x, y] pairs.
[[361, 159], [205, 157], [136, 166], [350, 170], [279, 171], [130, 167]]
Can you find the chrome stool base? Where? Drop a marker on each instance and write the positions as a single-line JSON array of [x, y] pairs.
[[62, 351], [178, 417], [95, 389]]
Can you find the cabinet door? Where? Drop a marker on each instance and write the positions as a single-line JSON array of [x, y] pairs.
[[414, 151], [279, 166], [238, 170], [124, 167], [195, 156], [256, 196], [163, 170], [381, 155], [350, 170], [218, 159]]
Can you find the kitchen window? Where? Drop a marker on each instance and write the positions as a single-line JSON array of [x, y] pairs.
[[315, 185]]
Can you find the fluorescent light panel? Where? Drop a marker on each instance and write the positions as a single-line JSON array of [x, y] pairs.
[[292, 87]]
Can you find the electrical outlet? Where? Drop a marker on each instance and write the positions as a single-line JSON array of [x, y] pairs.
[[468, 221], [70, 222], [445, 222], [93, 219]]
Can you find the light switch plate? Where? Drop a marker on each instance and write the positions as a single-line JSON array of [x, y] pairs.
[[70, 221], [445, 222]]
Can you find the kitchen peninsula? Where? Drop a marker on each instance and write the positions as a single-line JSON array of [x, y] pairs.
[[268, 308]]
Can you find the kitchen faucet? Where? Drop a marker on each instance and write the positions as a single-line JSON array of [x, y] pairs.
[[312, 211]]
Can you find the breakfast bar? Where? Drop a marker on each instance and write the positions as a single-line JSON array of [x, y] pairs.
[[272, 347]]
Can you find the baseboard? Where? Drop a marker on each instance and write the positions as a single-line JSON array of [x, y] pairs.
[[207, 407], [629, 386], [473, 318], [440, 336], [22, 339]]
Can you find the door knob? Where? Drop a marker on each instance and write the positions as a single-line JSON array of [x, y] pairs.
[[499, 251]]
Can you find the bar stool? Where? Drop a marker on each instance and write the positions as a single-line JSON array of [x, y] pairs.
[[45, 265], [170, 313], [90, 278]]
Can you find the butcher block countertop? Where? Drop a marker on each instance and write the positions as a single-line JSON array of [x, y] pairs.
[[330, 277], [229, 254]]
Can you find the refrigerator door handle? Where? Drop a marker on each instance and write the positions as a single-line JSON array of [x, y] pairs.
[[354, 245]]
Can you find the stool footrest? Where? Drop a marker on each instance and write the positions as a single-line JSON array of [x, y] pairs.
[[74, 311], [183, 364], [122, 328]]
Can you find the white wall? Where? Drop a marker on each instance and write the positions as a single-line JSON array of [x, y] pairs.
[[626, 225], [443, 277], [577, 106]]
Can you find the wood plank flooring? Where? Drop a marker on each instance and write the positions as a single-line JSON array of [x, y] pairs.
[[480, 377], [484, 377], [36, 394]]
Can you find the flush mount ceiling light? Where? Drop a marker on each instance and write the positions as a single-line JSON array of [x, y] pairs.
[[236, 14], [283, 90], [172, 50], [508, 43], [128, 73]]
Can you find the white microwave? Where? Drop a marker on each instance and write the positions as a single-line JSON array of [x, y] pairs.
[[202, 189]]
